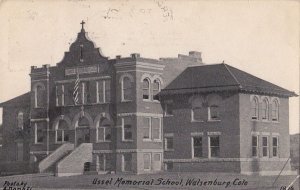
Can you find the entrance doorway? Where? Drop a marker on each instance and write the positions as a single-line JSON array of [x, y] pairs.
[[82, 131]]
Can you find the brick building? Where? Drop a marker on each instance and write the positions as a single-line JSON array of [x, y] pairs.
[[141, 115]]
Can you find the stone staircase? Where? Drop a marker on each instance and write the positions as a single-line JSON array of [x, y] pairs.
[[48, 165], [73, 163]]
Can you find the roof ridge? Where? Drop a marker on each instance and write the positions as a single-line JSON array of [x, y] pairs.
[[234, 77]]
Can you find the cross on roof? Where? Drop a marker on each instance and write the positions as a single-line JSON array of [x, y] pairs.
[[82, 23]]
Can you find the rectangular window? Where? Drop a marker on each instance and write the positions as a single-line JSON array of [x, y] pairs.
[[127, 159], [169, 143], [156, 132], [127, 128], [197, 147], [147, 161], [19, 152], [60, 95], [100, 97], [68, 92], [275, 146], [104, 134], [254, 146], [105, 162], [265, 146], [214, 142], [146, 128], [156, 164], [39, 134], [169, 166], [168, 109], [107, 91]]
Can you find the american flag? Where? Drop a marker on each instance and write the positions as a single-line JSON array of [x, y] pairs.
[[76, 88]]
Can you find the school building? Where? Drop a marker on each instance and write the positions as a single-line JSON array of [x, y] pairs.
[[141, 115]]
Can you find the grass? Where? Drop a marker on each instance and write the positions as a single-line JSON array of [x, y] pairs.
[[38, 181]]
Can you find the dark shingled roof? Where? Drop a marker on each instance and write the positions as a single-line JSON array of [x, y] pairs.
[[23, 99], [220, 77]]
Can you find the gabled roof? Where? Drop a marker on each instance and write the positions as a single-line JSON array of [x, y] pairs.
[[219, 77], [23, 99]]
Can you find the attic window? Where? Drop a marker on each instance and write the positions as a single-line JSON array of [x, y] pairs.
[[81, 53]]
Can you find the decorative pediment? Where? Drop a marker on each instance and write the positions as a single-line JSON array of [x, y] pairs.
[[82, 52]]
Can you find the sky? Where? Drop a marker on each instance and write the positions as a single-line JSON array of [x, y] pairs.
[[259, 37]]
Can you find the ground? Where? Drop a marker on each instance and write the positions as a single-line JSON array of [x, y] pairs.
[[226, 181]]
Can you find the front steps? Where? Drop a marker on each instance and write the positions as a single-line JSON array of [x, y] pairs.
[[74, 163], [48, 165]]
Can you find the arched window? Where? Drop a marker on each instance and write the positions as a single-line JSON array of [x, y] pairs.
[[214, 102], [62, 132], [275, 110], [213, 112], [198, 112], [254, 108], [39, 95], [126, 89], [83, 122], [104, 130], [156, 89], [20, 120], [146, 89], [265, 109]]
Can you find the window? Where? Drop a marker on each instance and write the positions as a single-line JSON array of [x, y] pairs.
[[169, 166], [197, 147], [169, 143], [107, 91], [156, 89], [146, 128], [214, 142], [19, 152], [168, 109], [39, 95], [39, 134], [85, 92], [146, 89], [198, 111], [62, 132], [127, 158], [275, 146], [126, 89], [265, 109], [68, 92], [100, 89], [103, 91], [156, 164], [104, 131], [127, 129], [254, 146], [60, 95], [147, 161], [254, 108], [275, 110], [213, 112], [20, 120], [105, 162], [155, 124], [265, 146]]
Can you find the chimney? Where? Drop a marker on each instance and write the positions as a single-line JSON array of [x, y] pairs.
[[135, 55], [118, 57], [196, 54], [46, 66], [33, 67]]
